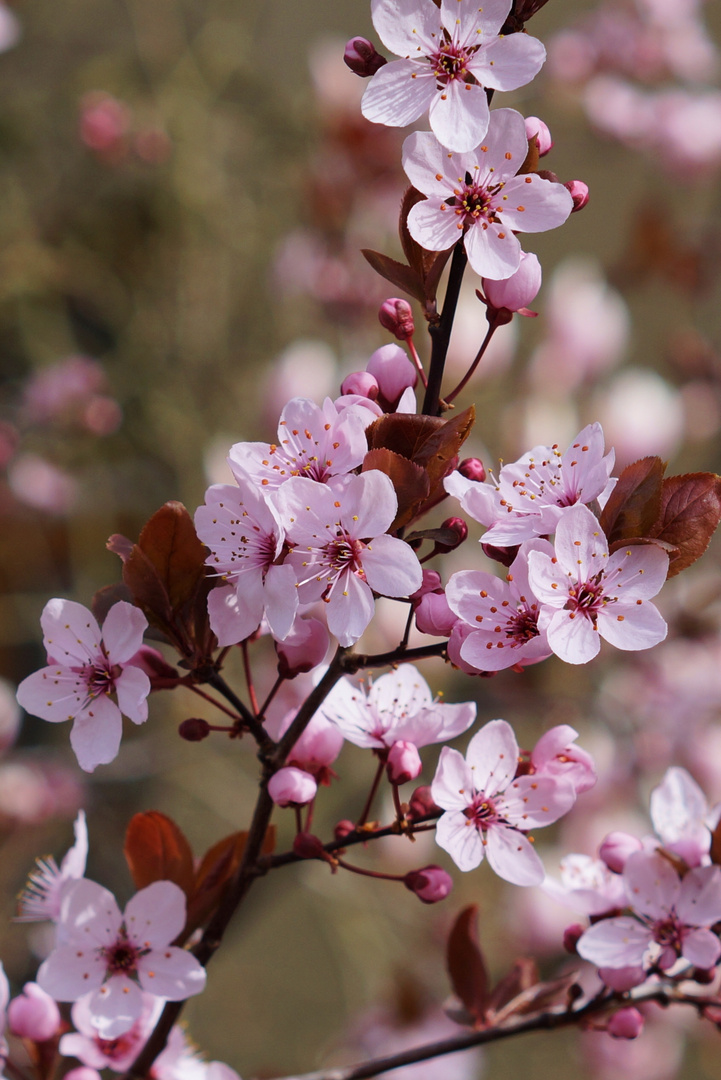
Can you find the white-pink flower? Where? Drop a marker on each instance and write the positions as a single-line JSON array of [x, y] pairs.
[[40, 899], [674, 918], [555, 755], [532, 494], [477, 195], [245, 538], [588, 594], [448, 57], [587, 886], [489, 810], [119, 1053], [114, 956], [339, 547], [85, 668], [397, 707], [682, 817], [502, 616]]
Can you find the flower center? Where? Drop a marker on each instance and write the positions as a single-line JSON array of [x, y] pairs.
[[450, 62], [523, 626], [667, 932], [482, 812], [587, 598], [100, 679], [121, 957]]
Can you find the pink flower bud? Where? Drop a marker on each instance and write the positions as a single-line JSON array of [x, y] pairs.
[[318, 746], [430, 884], [34, 1014], [434, 616], [570, 937], [625, 1024], [397, 316], [431, 583], [360, 383], [616, 848], [457, 526], [343, 828], [555, 755], [421, 804], [404, 762], [519, 290], [82, 1072], [504, 555], [292, 787], [194, 729], [472, 468], [162, 676], [579, 194], [303, 649], [393, 372], [536, 127], [623, 978], [362, 57]]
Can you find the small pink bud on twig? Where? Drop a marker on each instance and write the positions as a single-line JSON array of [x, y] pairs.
[[292, 787], [579, 194], [404, 762], [430, 884], [536, 127], [472, 468], [616, 848], [361, 383], [397, 316], [362, 57], [343, 829], [33, 1014], [194, 729], [625, 1024]]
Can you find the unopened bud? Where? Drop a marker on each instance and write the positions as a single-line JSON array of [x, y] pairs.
[[292, 787], [536, 127], [434, 616], [616, 848], [34, 1014], [626, 1024], [394, 373], [404, 762], [362, 57], [519, 290], [459, 528], [194, 729], [361, 383], [343, 829], [570, 937], [430, 884], [308, 846], [421, 804], [472, 468], [503, 555], [579, 194], [431, 583], [397, 316]]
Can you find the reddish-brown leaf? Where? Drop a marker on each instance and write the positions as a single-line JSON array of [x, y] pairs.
[[217, 867], [149, 592], [400, 275], [104, 599], [156, 850], [410, 481], [689, 515], [715, 849], [428, 441], [411, 248], [466, 965], [522, 976], [171, 544], [635, 502]]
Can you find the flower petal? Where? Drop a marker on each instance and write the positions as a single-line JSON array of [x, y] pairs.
[[512, 856]]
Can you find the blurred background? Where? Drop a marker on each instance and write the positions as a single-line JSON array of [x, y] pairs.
[[184, 190]]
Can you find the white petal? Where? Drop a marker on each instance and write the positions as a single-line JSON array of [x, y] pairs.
[[156, 914]]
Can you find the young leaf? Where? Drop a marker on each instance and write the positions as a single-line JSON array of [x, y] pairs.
[[689, 515], [466, 965], [635, 502], [403, 277], [156, 850], [171, 544], [410, 481]]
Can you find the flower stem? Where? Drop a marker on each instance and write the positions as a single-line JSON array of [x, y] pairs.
[[479, 355], [441, 332]]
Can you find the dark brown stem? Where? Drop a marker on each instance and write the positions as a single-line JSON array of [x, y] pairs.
[[253, 725], [355, 661], [371, 795], [361, 836], [441, 332], [216, 704]]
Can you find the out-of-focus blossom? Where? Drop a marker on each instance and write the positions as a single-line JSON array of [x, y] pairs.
[[616, 848], [33, 791], [641, 414], [316, 749], [34, 1014], [42, 896], [42, 485], [682, 817], [85, 668], [9, 28], [290, 786], [72, 391], [626, 1024], [104, 124], [303, 648], [587, 886], [555, 755], [118, 1054]]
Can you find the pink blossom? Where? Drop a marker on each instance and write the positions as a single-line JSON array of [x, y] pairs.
[[449, 57], [616, 848], [555, 755], [430, 884], [478, 195], [516, 292], [101, 949], [313, 442], [41, 897], [673, 918], [626, 1024], [290, 786], [340, 550], [88, 1046], [532, 494], [682, 817], [34, 1014], [245, 538], [586, 886], [397, 707], [393, 372], [404, 762], [4, 999], [588, 594], [489, 811], [502, 615], [85, 668]]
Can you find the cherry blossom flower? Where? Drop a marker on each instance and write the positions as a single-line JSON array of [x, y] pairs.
[[339, 549], [532, 494], [398, 707], [555, 755], [449, 56], [103, 952], [85, 668], [674, 917], [34, 1014], [587, 886], [502, 615], [292, 787], [313, 442], [41, 897], [682, 817], [588, 594], [119, 1053], [245, 538], [478, 195], [488, 810]]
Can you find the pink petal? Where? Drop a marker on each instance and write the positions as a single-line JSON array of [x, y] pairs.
[[349, 609], [132, 687], [700, 947], [699, 903], [508, 62], [171, 973], [54, 694], [615, 943], [281, 599], [632, 626], [535, 204], [156, 914], [233, 619], [534, 801], [453, 784], [573, 639], [70, 972], [461, 839], [71, 632], [398, 93], [434, 225], [459, 116], [637, 572], [493, 757], [96, 734], [505, 147], [115, 1007], [406, 27], [493, 252], [512, 856], [89, 913], [581, 546], [652, 885], [392, 567], [123, 631], [368, 504]]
